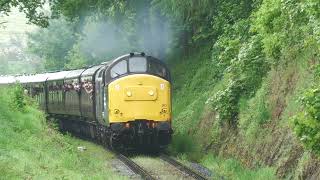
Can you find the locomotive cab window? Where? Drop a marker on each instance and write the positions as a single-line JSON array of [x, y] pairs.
[[138, 64], [119, 69], [157, 69]]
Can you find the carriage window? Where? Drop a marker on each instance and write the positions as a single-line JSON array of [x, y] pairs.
[[119, 69], [137, 64], [157, 68]]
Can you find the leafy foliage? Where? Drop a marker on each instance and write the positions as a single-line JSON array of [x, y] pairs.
[[241, 62], [15, 58], [18, 98], [53, 44], [307, 122], [290, 29], [76, 58], [31, 8]]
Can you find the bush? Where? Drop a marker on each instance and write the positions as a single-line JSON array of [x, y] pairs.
[[307, 122], [183, 144], [243, 65], [18, 101]]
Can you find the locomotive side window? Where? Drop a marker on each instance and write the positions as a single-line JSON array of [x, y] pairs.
[[137, 64], [119, 69]]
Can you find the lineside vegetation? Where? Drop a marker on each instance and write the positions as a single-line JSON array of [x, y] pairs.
[[30, 148]]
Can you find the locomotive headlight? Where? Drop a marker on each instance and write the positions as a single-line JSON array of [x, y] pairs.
[[151, 93], [129, 94]]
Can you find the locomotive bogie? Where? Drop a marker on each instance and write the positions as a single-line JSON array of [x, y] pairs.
[[143, 134]]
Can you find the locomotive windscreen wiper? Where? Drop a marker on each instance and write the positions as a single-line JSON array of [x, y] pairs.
[[116, 73]]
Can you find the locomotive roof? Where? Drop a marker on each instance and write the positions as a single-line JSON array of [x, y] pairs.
[[107, 63], [135, 54]]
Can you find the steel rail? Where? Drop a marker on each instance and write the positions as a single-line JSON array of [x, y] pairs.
[[135, 167], [182, 167]]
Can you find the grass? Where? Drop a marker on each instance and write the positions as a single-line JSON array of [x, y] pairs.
[[232, 169], [30, 149]]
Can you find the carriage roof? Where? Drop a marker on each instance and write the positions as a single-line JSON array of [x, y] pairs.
[[35, 78], [74, 73], [7, 79], [90, 71], [57, 75]]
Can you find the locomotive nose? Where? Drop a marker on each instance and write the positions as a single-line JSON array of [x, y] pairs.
[[139, 96]]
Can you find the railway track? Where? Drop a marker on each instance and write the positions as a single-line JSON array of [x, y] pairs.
[[135, 167], [182, 167]]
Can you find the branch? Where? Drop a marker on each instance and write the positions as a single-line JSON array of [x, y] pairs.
[[4, 3], [3, 22]]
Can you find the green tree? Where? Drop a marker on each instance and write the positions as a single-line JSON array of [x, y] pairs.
[[53, 43], [32, 8], [76, 58]]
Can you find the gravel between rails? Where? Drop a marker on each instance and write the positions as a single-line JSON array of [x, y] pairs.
[[156, 167], [135, 167], [160, 169], [182, 167]]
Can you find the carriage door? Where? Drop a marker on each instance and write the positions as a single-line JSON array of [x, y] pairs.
[[99, 94]]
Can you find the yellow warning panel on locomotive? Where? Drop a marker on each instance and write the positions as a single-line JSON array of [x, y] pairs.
[[139, 97]]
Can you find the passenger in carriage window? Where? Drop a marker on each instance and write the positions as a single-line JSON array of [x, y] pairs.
[[65, 87], [88, 87], [70, 86], [76, 86]]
